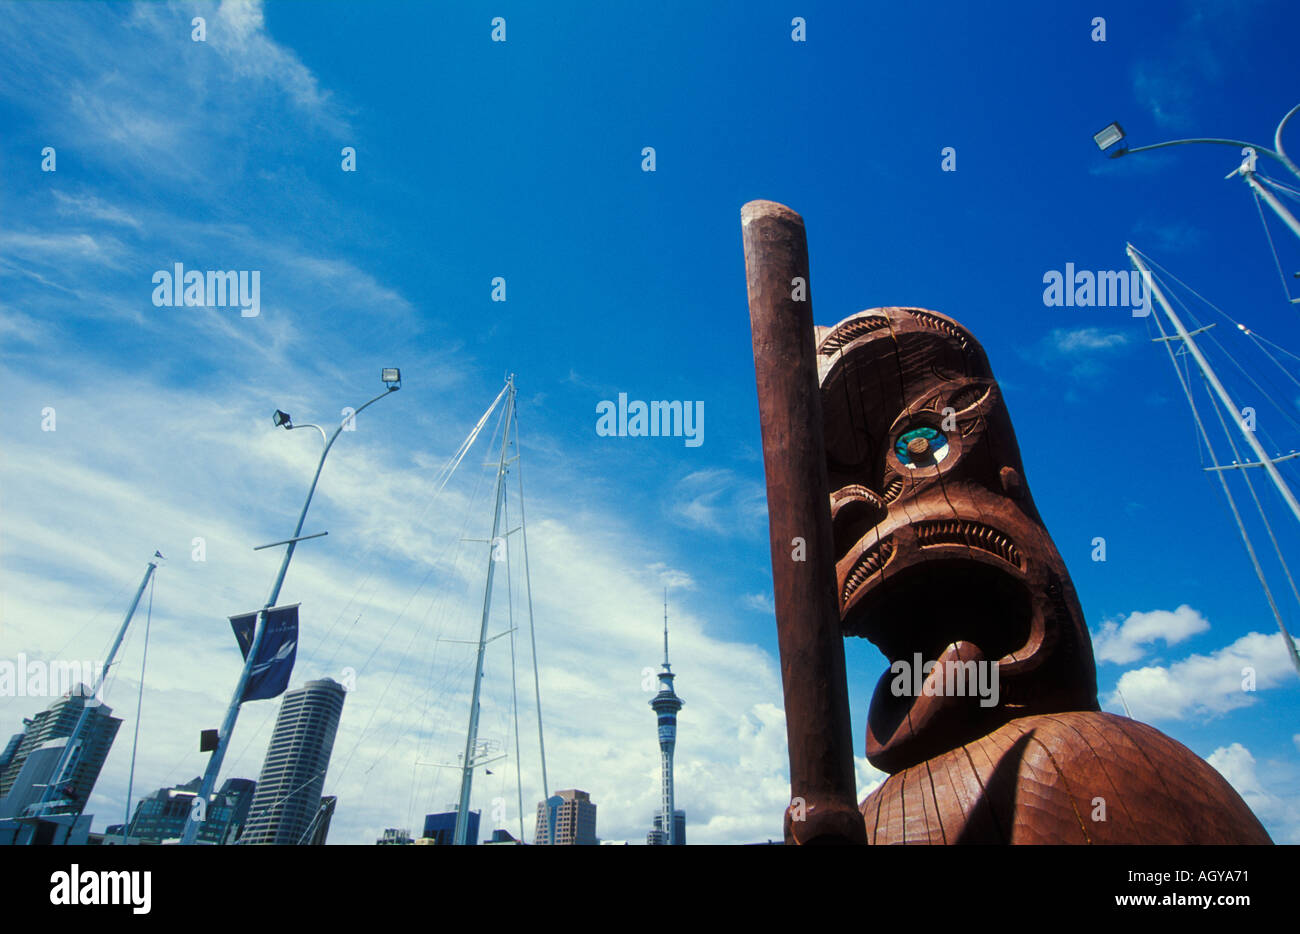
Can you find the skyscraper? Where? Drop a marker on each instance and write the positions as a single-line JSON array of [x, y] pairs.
[[289, 788], [572, 814], [665, 705], [57, 722]]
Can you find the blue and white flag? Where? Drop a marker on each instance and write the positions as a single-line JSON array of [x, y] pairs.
[[275, 656]]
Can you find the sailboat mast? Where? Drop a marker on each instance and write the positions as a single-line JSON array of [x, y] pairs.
[[1264, 460], [1272, 202], [532, 631], [66, 768], [471, 737]]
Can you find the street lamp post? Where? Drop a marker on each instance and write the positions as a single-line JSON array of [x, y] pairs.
[[392, 379], [1114, 133]]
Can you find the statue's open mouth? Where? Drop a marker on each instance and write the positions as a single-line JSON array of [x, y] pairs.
[[921, 587], [932, 534], [916, 613], [925, 606]]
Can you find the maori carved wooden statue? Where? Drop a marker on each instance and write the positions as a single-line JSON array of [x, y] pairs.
[[932, 548]]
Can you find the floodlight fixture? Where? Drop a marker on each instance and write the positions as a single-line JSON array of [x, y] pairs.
[[1108, 137]]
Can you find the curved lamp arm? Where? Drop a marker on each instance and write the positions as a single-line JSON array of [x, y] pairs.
[[1277, 154], [323, 439], [1277, 137], [302, 516]]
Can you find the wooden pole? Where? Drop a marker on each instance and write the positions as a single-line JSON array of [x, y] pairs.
[[823, 789]]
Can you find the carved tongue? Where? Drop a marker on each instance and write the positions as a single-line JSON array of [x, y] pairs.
[[935, 720]]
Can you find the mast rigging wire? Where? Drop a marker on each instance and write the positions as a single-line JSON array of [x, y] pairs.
[[1232, 505]]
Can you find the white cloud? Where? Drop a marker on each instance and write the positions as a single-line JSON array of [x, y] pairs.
[[869, 777], [1201, 685], [1127, 641], [671, 578], [1278, 809], [1237, 765], [238, 32]]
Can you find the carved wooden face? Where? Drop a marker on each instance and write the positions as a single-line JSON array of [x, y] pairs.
[[940, 552]]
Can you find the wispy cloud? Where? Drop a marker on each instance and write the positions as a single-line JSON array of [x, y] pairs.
[[1078, 341], [1173, 237], [760, 602], [138, 95], [718, 500], [1085, 353], [1193, 59], [84, 206]]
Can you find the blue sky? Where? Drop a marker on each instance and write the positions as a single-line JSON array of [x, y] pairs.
[[523, 160]]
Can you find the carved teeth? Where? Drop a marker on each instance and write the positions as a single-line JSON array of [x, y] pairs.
[[851, 331], [871, 562], [855, 492], [970, 534]]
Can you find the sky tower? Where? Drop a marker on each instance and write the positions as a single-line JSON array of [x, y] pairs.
[[666, 704]]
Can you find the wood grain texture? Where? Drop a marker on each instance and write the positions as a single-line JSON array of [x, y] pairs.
[[1038, 779], [815, 688]]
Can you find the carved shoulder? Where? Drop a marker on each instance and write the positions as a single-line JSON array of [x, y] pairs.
[[1079, 777]]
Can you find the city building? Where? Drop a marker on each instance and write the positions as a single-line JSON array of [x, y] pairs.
[[440, 829], [665, 705], [656, 835], [394, 836], [54, 724], [162, 815], [287, 806], [567, 818]]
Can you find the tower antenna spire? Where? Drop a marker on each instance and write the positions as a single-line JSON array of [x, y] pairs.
[[665, 627], [665, 705]]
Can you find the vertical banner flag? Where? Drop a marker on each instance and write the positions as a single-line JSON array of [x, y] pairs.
[[275, 656]]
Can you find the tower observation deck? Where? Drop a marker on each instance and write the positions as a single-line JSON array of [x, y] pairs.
[[665, 705]]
